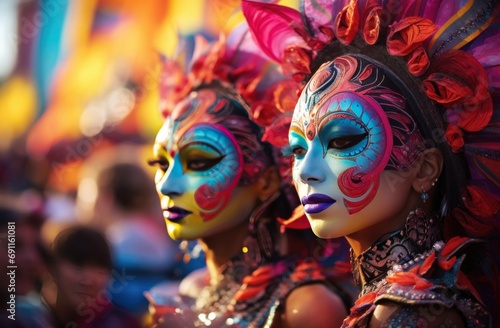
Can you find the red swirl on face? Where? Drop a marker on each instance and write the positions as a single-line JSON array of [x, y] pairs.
[[218, 182], [211, 200]]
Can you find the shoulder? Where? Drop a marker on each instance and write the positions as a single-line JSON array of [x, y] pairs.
[[194, 282], [390, 314], [313, 305]]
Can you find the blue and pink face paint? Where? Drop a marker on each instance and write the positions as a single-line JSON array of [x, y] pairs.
[[351, 116], [206, 149], [202, 153]]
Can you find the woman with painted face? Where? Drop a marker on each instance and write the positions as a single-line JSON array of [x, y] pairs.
[[222, 183], [395, 146]]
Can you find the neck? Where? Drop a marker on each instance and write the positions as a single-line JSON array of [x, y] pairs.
[[415, 238], [222, 247], [363, 240]]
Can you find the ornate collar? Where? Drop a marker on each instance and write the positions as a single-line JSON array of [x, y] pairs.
[[216, 296], [400, 247]]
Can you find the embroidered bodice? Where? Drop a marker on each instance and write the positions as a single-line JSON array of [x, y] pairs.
[[413, 267], [401, 247], [242, 298]]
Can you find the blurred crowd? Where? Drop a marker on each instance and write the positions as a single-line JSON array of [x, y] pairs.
[[79, 106], [85, 257]]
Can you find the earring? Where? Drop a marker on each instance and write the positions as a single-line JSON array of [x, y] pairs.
[[424, 195], [434, 182], [258, 242]]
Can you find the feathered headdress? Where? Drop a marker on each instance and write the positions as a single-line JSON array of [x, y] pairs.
[[445, 53], [237, 64]]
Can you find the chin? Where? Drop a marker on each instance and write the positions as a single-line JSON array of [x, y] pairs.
[[187, 233], [319, 228], [174, 232], [181, 235], [326, 229]]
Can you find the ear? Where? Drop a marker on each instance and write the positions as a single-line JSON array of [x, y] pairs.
[[429, 170], [269, 183]]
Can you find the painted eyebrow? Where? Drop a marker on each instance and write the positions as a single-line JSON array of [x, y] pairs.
[[191, 143], [297, 130]]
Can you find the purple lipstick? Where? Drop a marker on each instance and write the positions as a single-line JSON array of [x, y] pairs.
[[175, 214], [316, 203]]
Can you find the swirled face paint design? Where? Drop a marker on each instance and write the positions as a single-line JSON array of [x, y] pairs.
[[342, 138], [200, 167]]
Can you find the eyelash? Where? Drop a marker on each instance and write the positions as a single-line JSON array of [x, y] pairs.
[[160, 163], [349, 140], [291, 152], [206, 163]]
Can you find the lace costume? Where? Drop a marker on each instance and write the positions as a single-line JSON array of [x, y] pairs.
[[443, 55]]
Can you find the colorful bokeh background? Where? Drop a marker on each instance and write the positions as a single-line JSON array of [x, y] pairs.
[[81, 75]]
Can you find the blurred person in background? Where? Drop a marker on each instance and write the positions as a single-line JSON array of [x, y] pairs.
[[81, 269], [22, 219], [140, 247]]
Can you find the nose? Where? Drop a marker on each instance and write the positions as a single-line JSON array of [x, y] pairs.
[[311, 167], [172, 184]]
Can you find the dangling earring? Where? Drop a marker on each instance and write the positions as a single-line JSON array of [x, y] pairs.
[[424, 195], [258, 241]]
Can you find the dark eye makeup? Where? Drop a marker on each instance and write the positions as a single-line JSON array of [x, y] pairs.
[[345, 142]]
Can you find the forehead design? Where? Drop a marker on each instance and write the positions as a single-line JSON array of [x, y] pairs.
[[353, 89], [208, 106], [352, 74]]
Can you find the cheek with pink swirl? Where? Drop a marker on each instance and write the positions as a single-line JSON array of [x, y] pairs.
[[213, 195], [348, 114], [362, 181]]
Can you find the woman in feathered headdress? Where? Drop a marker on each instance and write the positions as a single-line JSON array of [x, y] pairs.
[[222, 182], [395, 141]]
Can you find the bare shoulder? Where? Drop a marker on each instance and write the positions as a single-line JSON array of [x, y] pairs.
[[390, 315], [193, 283], [313, 305]]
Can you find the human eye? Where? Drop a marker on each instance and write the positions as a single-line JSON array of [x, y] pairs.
[[346, 142], [297, 147], [202, 163], [161, 164], [344, 136], [199, 156], [298, 151]]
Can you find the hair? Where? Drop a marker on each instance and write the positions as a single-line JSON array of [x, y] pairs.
[[235, 116], [423, 110], [129, 184], [82, 245]]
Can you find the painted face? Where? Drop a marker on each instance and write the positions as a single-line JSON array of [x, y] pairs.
[[347, 151], [200, 170]]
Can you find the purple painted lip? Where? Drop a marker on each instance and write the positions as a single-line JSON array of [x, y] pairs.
[[316, 203], [175, 214]]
